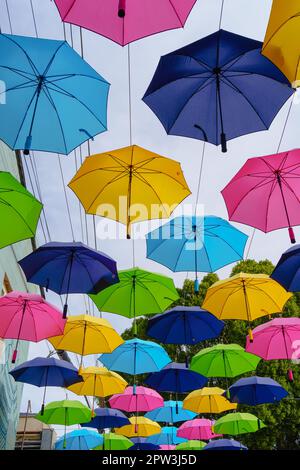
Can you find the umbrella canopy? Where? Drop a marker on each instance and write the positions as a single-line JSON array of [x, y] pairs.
[[167, 437], [287, 270], [136, 356], [225, 444], [140, 443], [80, 439], [113, 441], [107, 418], [69, 268], [167, 447], [65, 412], [135, 399], [197, 429], [48, 78], [19, 211], [270, 183], [139, 427], [256, 391], [131, 176], [175, 377], [171, 412], [224, 360], [238, 423], [125, 21], [100, 382], [28, 317], [208, 400], [217, 89], [281, 44], [191, 445], [184, 325]]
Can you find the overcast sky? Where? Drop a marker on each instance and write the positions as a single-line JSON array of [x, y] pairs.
[[248, 18]]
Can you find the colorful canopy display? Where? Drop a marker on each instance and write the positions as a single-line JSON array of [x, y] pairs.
[[287, 270], [80, 439], [65, 412], [197, 429], [176, 377], [256, 391], [207, 400], [135, 399], [139, 427], [171, 412], [106, 418], [238, 423], [225, 444], [112, 441], [99, 382], [167, 437], [191, 445]]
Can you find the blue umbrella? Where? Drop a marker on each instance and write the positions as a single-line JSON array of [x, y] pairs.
[[225, 444], [217, 89], [69, 268], [287, 270], [55, 101], [167, 436], [107, 418], [81, 439], [46, 372], [140, 443], [171, 412], [256, 391], [197, 244], [176, 378]]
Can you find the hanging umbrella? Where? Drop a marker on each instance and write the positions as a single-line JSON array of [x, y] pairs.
[[135, 399], [167, 447], [197, 429], [217, 89], [28, 317], [208, 400], [112, 441], [167, 437], [287, 270], [139, 427], [19, 211], [245, 297], [46, 372], [281, 43], [140, 443], [175, 377], [131, 176], [171, 412], [80, 439], [196, 244], [107, 418], [225, 444], [191, 445], [48, 78], [85, 334], [269, 183], [238, 423], [139, 292], [69, 268], [256, 391]]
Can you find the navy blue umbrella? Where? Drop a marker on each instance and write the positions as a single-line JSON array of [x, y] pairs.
[[255, 391], [225, 444], [67, 268], [107, 418], [217, 89], [140, 443], [287, 271]]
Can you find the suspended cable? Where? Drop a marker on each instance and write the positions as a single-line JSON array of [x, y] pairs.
[[34, 20], [221, 14], [66, 197], [9, 17], [200, 178]]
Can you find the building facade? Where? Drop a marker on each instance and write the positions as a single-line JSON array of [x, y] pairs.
[[33, 434]]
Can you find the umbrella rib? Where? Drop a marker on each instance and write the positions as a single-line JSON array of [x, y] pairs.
[[53, 57], [278, 29], [176, 13], [31, 63], [51, 101], [268, 295], [291, 189], [143, 286], [116, 178], [18, 213], [143, 180], [25, 116], [20, 72]]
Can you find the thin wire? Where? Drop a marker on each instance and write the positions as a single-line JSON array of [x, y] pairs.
[[9, 17], [34, 20], [129, 93], [200, 177], [38, 185], [221, 14], [66, 197]]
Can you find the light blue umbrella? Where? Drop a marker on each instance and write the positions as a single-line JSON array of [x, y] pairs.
[[81, 439], [171, 412], [55, 100], [196, 244], [167, 436]]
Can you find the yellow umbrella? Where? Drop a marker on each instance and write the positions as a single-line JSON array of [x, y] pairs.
[[281, 44], [245, 297], [84, 334], [139, 427], [208, 400], [129, 185]]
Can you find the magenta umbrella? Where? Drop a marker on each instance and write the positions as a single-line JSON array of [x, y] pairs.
[[277, 339], [265, 193], [28, 317], [198, 429], [140, 399], [167, 447]]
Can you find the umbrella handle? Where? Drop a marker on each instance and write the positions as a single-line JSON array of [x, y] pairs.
[[27, 144], [196, 286], [14, 356], [65, 311], [223, 142], [121, 9], [292, 235], [250, 333], [42, 409], [290, 375]]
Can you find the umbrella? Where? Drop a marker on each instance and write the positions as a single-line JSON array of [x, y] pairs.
[[238, 423], [167, 447], [191, 445], [139, 292], [135, 399], [225, 444], [269, 183], [140, 443], [113, 441], [167, 436], [217, 89], [281, 44], [197, 429], [208, 400], [287, 270], [28, 317], [139, 427], [197, 244], [245, 297], [85, 334], [130, 177], [107, 418], [124, 21], [19, 211], [256, 391], [46, 372], [69, 268], [81, 439], [171, 412], [48, 78]]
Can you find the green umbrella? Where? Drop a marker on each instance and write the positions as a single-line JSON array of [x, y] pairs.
[[138, 293], [113, 441], [191, 445], [19, 211], [238, 423]]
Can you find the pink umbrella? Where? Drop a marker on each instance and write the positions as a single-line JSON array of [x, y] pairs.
[[140, 399], [166, 447], [28, 317], [277, 339], [265, 193], [198, 429]]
